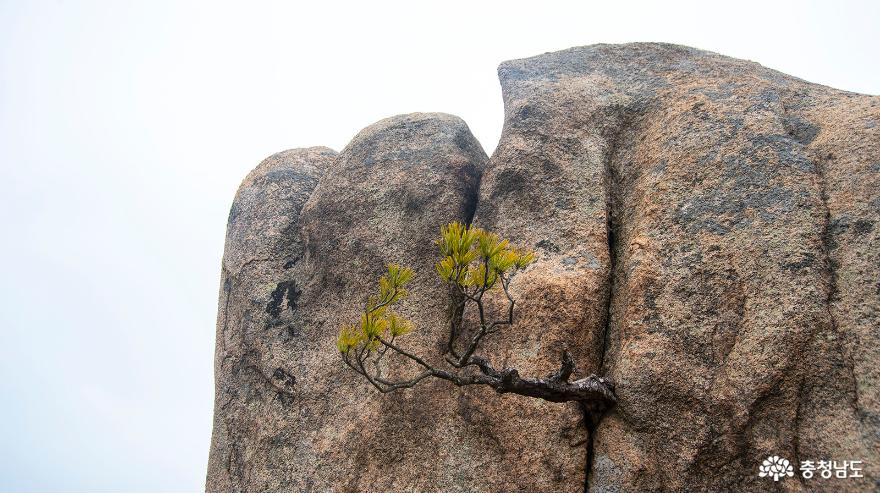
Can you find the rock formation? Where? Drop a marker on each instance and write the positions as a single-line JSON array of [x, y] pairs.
[[706, 233]]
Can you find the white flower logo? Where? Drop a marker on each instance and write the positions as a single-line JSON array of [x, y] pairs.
[[777, 467]]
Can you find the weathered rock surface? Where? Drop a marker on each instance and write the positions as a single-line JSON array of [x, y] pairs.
[[733, 197], [706, 231], [255, 381], [290, 416]]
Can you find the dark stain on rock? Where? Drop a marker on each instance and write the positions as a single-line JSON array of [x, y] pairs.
[[283, 378], [652, 320], [415, 203], [463, 141], [529, 111], [277, 298], [719, 212], [836, 227], [284, 383], [234, 211], [564, 203], [550, 167], [807, 260], [800, 130], [548, 245], [292, 332], [285, 398], [281, 439], [862, 227], [279, 177], [788, 149], [509, 181]]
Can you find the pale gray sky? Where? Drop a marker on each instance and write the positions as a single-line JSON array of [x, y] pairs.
[[125, 128]]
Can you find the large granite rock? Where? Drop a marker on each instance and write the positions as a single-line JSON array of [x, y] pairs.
[[706, 236], [290, 416], [256, 383], [743, 318]]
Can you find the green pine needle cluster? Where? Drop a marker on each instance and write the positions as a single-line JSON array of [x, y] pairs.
[[473, 257], [377, 321]]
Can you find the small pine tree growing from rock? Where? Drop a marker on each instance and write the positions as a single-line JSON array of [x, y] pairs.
[[473, 263]]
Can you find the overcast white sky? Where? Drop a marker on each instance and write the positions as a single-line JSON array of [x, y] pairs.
[[126, 127]]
